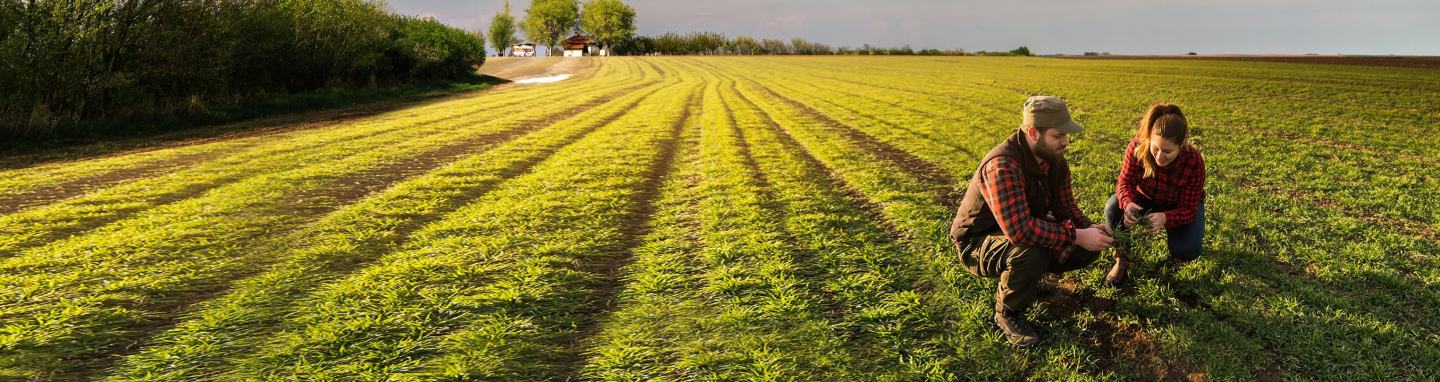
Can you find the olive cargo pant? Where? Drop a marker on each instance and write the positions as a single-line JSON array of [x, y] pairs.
[[1020, 268]]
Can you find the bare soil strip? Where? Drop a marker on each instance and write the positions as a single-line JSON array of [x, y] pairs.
[[635, 228], [325, 200], [264, 127], [894, 126], [251, 128], [512, 69], [75, 187], [360, 184], [873, 210], [929, 173]]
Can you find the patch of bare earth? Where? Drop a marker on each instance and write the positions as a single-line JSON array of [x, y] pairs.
[[68, 189], [254, 128], [511, 69], [1122, 346], [265, 126]]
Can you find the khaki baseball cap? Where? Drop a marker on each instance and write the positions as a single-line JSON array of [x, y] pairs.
[[1049, 112]]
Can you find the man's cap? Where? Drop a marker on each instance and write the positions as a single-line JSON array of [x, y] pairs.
[[1049, 112]]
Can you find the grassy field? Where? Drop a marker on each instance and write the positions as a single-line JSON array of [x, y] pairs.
[[698, 218]]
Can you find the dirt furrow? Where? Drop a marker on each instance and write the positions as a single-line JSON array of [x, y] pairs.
[[946, 187], [635, 229], [321, 201]]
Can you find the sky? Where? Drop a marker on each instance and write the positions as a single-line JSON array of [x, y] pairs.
[[1401, 27]]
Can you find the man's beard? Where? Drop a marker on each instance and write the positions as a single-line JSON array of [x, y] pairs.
[[1043, 150]]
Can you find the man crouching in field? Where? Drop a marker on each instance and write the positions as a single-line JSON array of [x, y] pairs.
[[1018, 219]]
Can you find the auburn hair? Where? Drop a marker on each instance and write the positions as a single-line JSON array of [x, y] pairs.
[[1165, 120]]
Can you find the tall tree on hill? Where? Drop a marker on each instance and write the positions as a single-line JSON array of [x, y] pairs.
[[608, 21], [547, 21], [502, 31]]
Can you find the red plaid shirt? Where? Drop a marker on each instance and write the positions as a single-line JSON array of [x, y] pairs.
[[1177, 189], [1003, 187]]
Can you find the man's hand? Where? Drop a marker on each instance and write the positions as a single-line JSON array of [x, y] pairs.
[[1132, 214], [1157, 221], [1105, 228], [1092, 239]]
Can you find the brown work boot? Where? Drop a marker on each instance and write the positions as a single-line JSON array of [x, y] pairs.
[[1117, 274], [1016, 330], [1178, 262]]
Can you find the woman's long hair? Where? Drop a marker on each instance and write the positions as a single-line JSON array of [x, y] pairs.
[[1167, 121]]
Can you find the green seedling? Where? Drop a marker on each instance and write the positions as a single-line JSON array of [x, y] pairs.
[[1128, 236]]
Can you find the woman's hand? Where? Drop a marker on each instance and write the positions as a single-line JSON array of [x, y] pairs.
[[1157, 221], [1132, 214]]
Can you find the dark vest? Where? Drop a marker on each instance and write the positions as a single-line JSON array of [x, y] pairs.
[[1042, 190]]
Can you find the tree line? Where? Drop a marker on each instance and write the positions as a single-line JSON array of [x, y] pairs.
[[612, 24], [712, 43], [63, 62], [549, 22]]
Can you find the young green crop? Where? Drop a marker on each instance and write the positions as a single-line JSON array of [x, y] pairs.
[[29, 179], [1085, 185], [762, 315], [69, 306], [793, 227], [910, 206], [228, 328], [515, 267], [71, 217]]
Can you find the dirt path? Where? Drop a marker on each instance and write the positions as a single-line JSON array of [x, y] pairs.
[[526, 71], [513, 68]]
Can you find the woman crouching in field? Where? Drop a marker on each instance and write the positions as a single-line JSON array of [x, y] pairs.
[[1161, 186]]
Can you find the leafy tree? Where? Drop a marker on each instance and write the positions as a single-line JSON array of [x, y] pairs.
[[774, 46], [67, 63], [502, 31], [608, 21], [547, 21], [428, 49], [635, 46], [1021, 51], [745, 45]]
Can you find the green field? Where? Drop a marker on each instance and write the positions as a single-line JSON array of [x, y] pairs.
[[728, 218]]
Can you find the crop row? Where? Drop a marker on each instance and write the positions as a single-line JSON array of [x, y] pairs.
[[86, 295], [767, 271], [496, 287], [219, 332], [38, 178], [54, 222], [1407, 325]]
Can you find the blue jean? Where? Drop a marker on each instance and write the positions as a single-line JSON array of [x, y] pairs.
[[1184, 241]]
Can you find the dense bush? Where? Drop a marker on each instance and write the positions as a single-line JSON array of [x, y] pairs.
[[67, 62], [711, 43]]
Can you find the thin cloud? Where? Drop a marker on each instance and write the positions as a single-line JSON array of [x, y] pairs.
[[1046, 26], [786, 22]]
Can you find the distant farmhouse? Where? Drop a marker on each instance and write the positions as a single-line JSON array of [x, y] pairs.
[[523, 50], [581, 45]]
